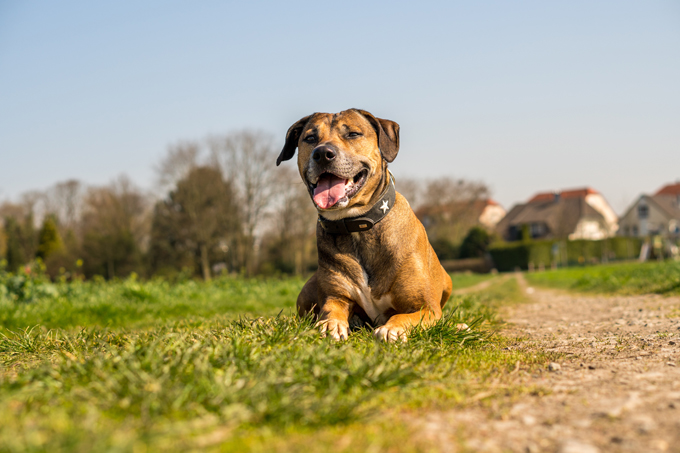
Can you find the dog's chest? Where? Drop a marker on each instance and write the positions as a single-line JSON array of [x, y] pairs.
[[375, 307]]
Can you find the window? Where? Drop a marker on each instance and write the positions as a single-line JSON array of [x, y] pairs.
[[537, 230], [643, 211], [635, 230]]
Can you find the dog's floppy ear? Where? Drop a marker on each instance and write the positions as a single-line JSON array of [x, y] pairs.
[[388, 135], [292, 137]]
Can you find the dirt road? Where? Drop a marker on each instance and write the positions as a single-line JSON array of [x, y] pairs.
[[615, 389]]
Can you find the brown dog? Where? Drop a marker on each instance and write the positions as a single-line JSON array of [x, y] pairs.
[[375, 261]]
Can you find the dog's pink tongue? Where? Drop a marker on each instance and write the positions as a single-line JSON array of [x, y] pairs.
[[329, 190]]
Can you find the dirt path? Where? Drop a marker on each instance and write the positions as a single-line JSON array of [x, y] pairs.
[[616, 389]]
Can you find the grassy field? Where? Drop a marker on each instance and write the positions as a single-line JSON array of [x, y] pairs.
[[464, 280], [626, 278], [225, 366], [32, 300]]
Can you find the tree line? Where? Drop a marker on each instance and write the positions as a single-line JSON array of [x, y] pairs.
[[219, 205]]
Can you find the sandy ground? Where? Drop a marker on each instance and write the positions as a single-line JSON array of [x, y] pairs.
[[616, 387]]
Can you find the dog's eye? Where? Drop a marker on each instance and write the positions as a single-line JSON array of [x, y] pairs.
[[310, 139], [354, 135]]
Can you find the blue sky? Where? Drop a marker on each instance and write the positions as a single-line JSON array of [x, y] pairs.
[[526, 96]]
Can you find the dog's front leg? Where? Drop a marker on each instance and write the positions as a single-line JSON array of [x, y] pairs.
[[397, 327], [334, 318]]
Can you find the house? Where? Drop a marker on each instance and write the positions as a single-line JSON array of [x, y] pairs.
[[569, 214], [658, 214], [490, 214], [480, 212], [458, 217]]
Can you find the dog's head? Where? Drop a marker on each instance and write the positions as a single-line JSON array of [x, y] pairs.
[[342, 157]]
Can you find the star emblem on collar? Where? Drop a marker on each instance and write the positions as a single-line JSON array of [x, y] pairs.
[[384, 206]]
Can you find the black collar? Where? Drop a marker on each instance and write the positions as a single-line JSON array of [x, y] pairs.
[[365, 222]]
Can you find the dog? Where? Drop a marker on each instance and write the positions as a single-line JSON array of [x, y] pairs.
[[375, 261]]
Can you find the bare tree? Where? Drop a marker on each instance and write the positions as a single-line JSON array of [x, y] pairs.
[[31, 202], [447, 190], [180, 159], [64, 200], [411, 189], [450, 207], [15, 210], [246, 158], [114, 228], [289, 243]]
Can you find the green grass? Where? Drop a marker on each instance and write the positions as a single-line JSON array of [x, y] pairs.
[[464, 280], [130, 303], [188, 366], [134, 304], [627, 278]]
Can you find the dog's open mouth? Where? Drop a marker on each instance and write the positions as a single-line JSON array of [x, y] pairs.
[[331, 189]]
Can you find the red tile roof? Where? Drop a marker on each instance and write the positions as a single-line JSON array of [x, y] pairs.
[[574, 193], [669, 189], [543, 196]]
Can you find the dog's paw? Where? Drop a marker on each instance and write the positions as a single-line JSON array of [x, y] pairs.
[[391, 333], [338, 330]]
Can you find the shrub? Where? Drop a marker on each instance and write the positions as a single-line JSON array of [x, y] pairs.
[[508, 256], [444, 249], [475, 244]]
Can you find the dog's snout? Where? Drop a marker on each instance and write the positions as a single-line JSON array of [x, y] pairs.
[[323, 154]]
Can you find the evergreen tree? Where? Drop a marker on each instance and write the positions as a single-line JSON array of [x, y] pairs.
[[49, 240], [15, 253], [475, 244], [3, 243], [198, 223]]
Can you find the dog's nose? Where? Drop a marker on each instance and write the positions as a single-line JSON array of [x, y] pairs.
[[323, 154]]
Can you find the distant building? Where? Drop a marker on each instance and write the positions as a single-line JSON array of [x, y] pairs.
[[458, 217], [484, 212], [569, 214], [658, 214], [491, 214]]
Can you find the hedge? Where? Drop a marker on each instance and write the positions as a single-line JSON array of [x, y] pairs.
[[508, 256]]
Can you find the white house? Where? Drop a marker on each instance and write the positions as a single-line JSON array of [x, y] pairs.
[[658, 214]]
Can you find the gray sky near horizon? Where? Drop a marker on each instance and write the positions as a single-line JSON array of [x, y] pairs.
[[526, 96]]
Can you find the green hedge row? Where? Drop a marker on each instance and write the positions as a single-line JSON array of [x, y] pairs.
[[510, 255]]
